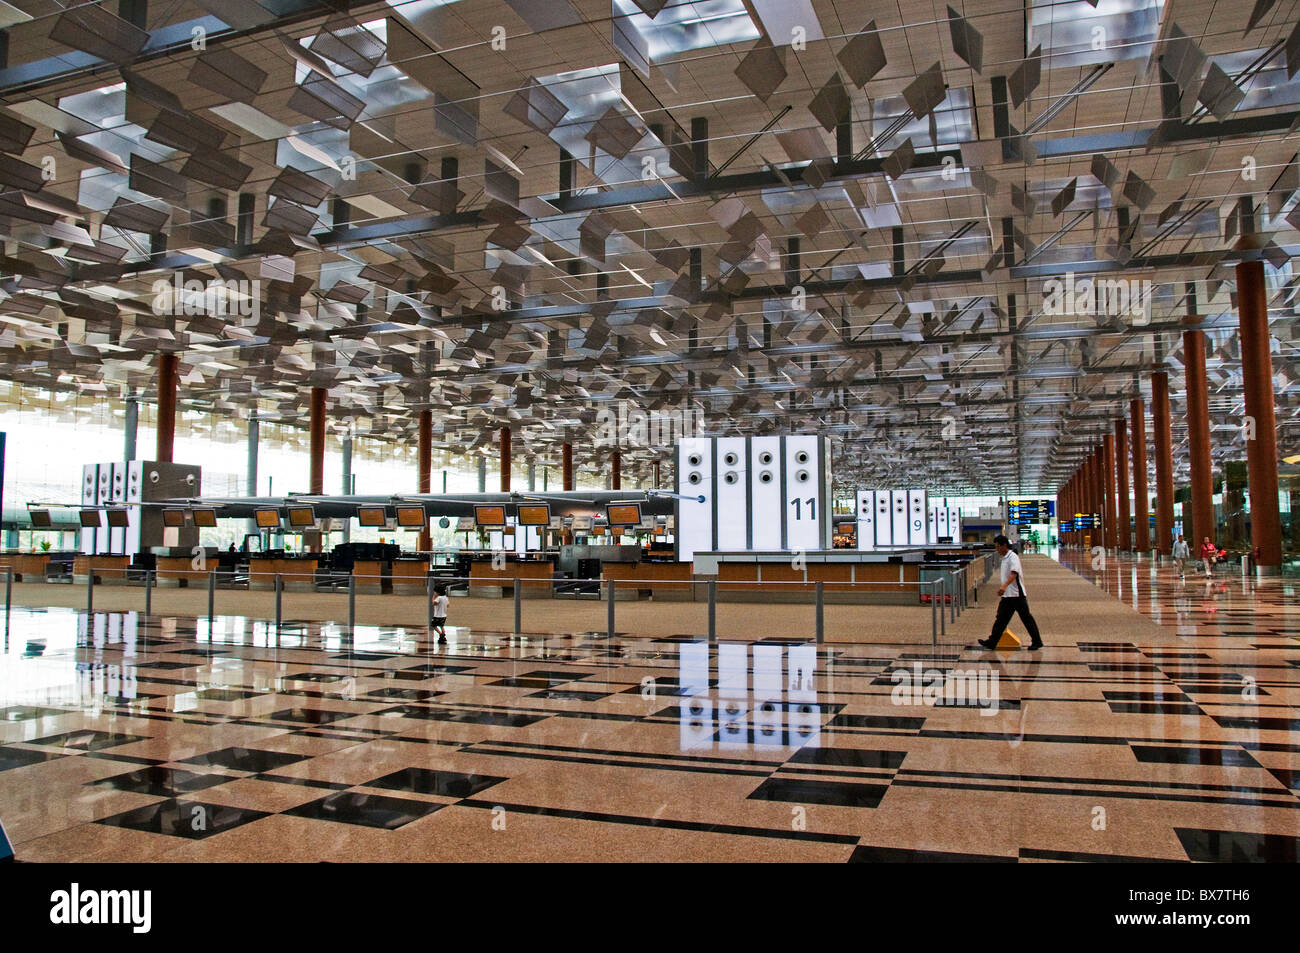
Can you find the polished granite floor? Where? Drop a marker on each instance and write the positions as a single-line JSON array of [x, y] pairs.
[[131, 739]]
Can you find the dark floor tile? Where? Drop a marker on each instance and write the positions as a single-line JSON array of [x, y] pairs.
[[515, 681], [566, 694], [314, 677], [167, 666], [556, 678], [902, 855], [442, 783], [311, 716], [226, 695], [189, 819], [500, 719], [87, 740], [849, 757], [839, 793], [245, 759], [875, 721], [366, 810], [21, 758], [409, 694], [161, 782], [364, 656], [1154, 708], [1177, 754], [1288, 776], [1238, 847], [1257, 724]]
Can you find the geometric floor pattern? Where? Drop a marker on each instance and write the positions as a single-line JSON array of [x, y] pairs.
[[141, 739]]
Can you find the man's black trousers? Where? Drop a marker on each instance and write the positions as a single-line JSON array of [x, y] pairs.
[[1014, 605]]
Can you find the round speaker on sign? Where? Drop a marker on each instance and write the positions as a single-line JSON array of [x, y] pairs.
[[730, 459], [765, 458], [802, 476], [801, 456], [695, 459], [765, 476], [730, 478], [693, 478]]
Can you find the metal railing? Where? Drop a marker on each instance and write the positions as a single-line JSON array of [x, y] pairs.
[[948, 593]]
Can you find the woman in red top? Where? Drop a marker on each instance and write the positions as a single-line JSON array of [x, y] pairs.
[[1209, 555]]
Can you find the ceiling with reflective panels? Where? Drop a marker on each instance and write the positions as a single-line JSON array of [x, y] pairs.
[[957, 239]]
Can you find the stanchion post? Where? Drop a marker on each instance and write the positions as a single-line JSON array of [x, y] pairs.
[[212, 598], [609, 620], [148, 592], [519, 607], [352, 602], [428, 598], [821, 612], [943, 627], [279, 600], [9, 588], [90, 588], [713, 610], [934, 628]]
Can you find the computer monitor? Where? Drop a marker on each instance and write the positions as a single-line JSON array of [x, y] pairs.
[[205, 517], [173, 518], [90, 519], [412, 517], [372, 516], [623, 514], [489, 515], [117, 518], [40, 519], [534, 514], [267, 519], [581, 524], [302, 517]]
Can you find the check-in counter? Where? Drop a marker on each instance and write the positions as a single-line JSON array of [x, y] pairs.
[[297, 572], [534, 577], [372, 576], [108, 570], [29, 567], [410, 575], [174, 571], [667, 581]]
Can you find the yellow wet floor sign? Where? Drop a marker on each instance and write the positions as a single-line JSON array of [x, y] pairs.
[[1008, 640]]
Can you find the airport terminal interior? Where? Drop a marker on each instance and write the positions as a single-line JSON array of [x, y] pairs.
[[612, 430]]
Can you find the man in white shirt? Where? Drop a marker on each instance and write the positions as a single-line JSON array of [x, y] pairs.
[[1182, 553], [1013, 599]]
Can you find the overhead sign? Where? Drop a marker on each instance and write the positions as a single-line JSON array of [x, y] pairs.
[[1024, 512]]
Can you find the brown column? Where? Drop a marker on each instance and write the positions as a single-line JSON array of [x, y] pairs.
[[1125, 537], [1141, 518], [505, 460], [424, 471], [166, 407], [616, 471], [1198, 433], [316, 482], [567, 460], [1163, 439], [1261, 452], [1108, 490]]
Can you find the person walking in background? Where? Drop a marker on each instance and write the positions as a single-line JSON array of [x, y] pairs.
[[1209, 555], [440, 603], [1013, 600], [1182, 553]]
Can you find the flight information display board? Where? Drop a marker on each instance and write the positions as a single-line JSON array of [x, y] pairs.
[[1024, 512], [1085, 521]]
